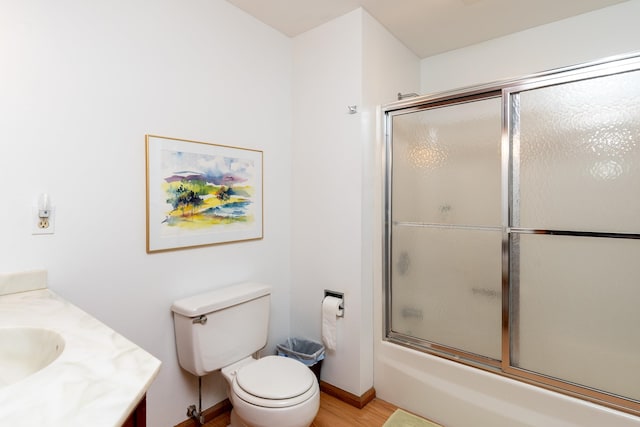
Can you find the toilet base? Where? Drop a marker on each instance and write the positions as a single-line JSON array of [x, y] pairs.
[[252, 416]]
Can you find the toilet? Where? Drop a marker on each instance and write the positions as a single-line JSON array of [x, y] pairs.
[[221, 330]]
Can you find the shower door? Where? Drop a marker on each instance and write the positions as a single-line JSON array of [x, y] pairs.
[[512, 229], [446, 227], [574, 229]]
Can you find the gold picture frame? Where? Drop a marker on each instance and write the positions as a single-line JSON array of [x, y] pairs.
[[201, 194]]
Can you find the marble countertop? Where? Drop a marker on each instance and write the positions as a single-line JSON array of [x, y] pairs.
[[97, 380]]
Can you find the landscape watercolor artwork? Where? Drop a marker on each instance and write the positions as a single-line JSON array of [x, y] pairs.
[[201, 194]]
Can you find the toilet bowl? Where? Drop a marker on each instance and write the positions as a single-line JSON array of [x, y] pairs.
[[272, 391]]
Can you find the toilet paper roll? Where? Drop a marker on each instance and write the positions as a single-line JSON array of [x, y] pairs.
[[330, 312]]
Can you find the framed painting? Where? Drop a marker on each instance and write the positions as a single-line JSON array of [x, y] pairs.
[[201, 194]]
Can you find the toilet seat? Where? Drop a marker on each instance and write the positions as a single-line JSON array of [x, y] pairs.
[[274, 382]]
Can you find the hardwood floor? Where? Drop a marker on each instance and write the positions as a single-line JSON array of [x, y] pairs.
[[336, 413]]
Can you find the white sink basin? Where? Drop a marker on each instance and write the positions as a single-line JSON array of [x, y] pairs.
[[25, 351]]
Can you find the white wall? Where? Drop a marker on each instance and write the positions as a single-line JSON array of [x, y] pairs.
[[326, 205], [351, 60], [82, 82], [591, 36], [450, 393], [388, 68]]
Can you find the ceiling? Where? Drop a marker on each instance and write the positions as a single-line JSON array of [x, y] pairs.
[[427, 27]]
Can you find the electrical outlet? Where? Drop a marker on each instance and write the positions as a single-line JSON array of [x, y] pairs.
[[42, 225]]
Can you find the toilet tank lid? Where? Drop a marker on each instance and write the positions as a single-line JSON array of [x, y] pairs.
[[220, 298]]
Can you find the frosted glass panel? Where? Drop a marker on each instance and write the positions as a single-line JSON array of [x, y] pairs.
[[580, 155], [579, 311], [446, 164], [573, 168], [447, 287]]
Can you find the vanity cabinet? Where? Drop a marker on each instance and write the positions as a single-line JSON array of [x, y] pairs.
[[138, 417]]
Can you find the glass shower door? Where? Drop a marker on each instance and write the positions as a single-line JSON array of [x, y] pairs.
[[445, 257], [575, 230], [512, 229]]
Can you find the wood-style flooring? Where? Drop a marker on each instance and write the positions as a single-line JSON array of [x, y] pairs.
[[336, 413]]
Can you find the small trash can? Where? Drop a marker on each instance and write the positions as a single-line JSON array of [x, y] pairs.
[[309, 352]]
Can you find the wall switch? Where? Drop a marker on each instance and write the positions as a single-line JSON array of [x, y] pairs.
[[43, 225]]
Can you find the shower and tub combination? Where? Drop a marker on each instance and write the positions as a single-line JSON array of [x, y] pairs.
[[512, 231]]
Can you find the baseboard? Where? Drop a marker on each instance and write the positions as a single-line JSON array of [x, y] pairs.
[[209, 414], [352, 399]]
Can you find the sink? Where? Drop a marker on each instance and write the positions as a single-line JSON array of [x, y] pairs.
[[25, 351]]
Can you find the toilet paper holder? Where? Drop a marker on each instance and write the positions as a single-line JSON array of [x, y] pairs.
[[339, 295]]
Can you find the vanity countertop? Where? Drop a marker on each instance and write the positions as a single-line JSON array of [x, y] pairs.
[[97, 380]]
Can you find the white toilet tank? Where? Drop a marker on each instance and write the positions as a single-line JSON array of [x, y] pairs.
[[220, 327]]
